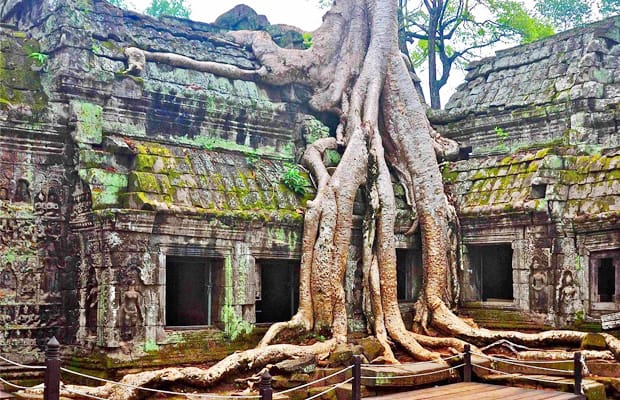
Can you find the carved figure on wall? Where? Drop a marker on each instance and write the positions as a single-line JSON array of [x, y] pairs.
[[539, 291], [28, 285], [22, 191], [568, 295], [7, 277], [92, 300], [131, 311], [4, 193]]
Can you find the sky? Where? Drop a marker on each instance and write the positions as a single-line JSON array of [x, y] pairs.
[[304, 14]]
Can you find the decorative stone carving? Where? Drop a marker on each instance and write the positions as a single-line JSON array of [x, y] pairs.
[[568, 296], [132, 312]]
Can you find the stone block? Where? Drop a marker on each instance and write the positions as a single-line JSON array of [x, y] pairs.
[[88, 122]]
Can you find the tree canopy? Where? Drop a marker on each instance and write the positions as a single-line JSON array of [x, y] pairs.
[[448, 33], [567, 14], [173, 8]]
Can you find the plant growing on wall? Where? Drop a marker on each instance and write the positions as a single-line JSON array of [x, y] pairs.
[[40, 58], [293, 179], [358, 74]]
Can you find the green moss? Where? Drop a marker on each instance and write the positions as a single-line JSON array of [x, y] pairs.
[[153, 149], [89, 122], [449, 176]]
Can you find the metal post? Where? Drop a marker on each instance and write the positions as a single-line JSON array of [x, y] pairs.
[[52, 370], [467, 361], [264, 387], [578, 373], [356, 385]]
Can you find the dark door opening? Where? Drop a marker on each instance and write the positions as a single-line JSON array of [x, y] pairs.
[[492, 265], [194, 289], [408, 274], [606, 280], [279, 290]]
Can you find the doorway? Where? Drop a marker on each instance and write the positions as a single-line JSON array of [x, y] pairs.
[[194, 290], [492, 267], [279, 290]]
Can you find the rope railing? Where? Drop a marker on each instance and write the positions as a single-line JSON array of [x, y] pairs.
[[21, 365], [417, 375], [459, 355], [333, 387], [161, 391], [14, 385], [305, 385], [53, 371], [528, 377], [519, 364]]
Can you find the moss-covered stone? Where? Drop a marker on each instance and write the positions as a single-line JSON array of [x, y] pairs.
[[593, 341], [88, 122]]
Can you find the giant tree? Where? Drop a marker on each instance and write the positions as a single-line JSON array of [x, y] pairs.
[[356, 71]]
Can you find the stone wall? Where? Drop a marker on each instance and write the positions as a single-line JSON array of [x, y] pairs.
[[562, 89], [108, 175]]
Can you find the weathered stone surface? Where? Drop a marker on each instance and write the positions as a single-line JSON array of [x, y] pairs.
[[342, 355], [303, 365], [531, 91], [371, 348], [594, 341]]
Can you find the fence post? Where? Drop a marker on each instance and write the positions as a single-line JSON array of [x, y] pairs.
[[52, 370], [264, 387], [356, 385], [578, 373], [467, 361]]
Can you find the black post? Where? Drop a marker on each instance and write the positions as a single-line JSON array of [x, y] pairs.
[[356, 385], [467, 361], [264, 387], [52, 370], [578, 373]]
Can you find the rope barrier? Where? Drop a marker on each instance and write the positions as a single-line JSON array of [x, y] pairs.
[[414, 375], [459, 355], [529, 377], [14, 385], [501, 360], [315, 381], [22, 365], [333, 387], [532, 361], [206, 396]]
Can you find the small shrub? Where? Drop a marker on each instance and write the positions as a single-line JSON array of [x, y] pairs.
[[294, 180], [40, 58]]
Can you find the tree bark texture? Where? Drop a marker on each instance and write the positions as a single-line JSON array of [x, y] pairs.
[[356, 71]]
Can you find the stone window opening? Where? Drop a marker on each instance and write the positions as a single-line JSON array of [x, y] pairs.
[[194, 291], [605, 276], [492, 269], [277, 290], [409, 274], [539, 191]]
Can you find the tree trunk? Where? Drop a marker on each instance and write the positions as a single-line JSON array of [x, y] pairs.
[[357, 72]]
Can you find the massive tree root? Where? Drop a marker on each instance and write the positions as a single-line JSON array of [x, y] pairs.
[[358, 73]]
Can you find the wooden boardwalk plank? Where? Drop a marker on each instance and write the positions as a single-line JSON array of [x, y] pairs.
[[479, 391]]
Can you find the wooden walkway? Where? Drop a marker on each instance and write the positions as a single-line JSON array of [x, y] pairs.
[[479, 391]]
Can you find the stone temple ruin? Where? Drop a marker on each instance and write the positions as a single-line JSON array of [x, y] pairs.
[[146, 212]]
